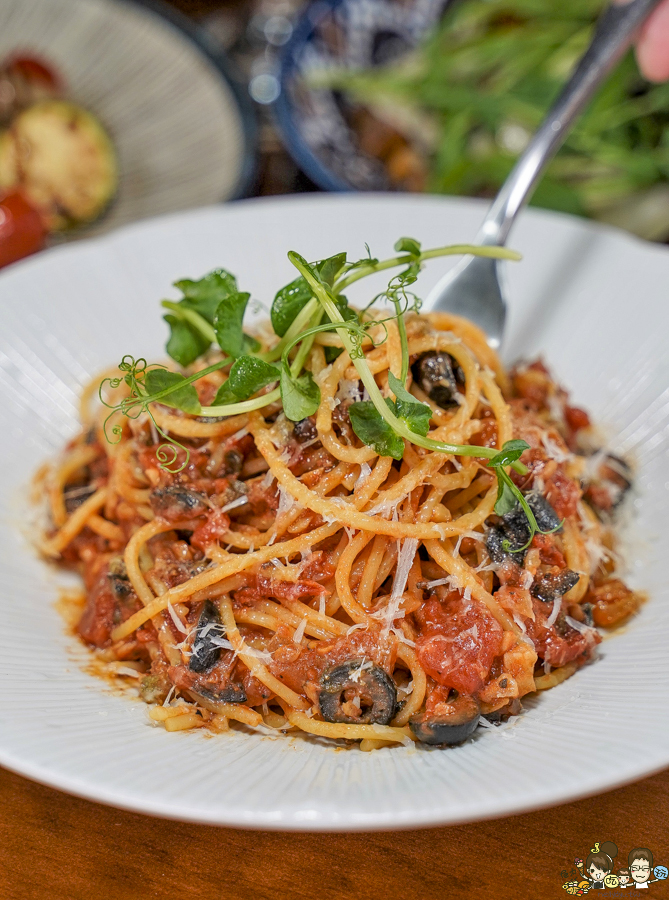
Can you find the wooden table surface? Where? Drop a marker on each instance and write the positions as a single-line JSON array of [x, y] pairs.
[[57, 847]]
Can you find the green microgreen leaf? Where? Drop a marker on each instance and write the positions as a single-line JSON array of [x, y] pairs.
[[288, 302], [205, 295], [408, 245], [510, 452], [228, 320], [300, 396], [247, 376], [331, 353], [373, 430], [506, 498], [417, 415], [293, 297], [184, 397], [328, 269], [185, 343]]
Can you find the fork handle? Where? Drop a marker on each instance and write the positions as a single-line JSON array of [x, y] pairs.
[[613, 36]]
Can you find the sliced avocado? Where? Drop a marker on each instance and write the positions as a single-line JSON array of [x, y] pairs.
[[63, 159]]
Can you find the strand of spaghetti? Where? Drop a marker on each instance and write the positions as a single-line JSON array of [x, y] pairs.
[[320, 620], [235, 711], [387, 564], [191, 428], [122, 476], [76, 459], [343, 580], [273, 621], [346, 732], [366, 586], [557, 676], [344, 512], [415, 700], [75, 523], [327, 632], [105, 529], [235, 563], [329, 384], [467, 579], [478, 486], [500, 408], [429, 465], [252, 663], [132, 552]]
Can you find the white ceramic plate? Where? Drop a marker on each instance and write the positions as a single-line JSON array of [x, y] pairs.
[[592, 300], [182, 134]]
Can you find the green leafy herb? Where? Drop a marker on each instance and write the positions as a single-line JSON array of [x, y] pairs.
[[228, 320], [212, 310], [192, 317], [205, 295], [374, 431], [417, 415], [510, 452], [408, 245], [182, 395], [247, 376], [301, 396], [291, 299], [509, 496], [506, 497], [185, 343], [331, 353]]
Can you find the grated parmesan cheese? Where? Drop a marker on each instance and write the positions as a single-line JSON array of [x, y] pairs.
[[179, 625], [365, 472], [233, 504], [579, 626], [555, 612], [298, 634]]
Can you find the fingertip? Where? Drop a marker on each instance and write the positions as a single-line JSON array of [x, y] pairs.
[[652, 50]]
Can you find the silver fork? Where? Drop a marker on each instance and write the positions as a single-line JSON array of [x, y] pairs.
[[473, 288]]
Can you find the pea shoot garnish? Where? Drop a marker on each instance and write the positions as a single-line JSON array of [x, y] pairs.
[[211, 315]]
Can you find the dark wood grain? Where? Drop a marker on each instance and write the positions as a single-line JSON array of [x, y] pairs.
[[57, 847]]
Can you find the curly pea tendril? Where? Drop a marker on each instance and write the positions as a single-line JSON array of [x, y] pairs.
[[132, 407]]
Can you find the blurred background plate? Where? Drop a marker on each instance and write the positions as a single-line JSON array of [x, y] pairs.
[[183, 131]]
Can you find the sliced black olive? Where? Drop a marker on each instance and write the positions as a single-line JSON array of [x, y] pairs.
[[551, 587], [356, 679], [587, 614], [614, 476], [305, 430], [74, 497], [434, 373], [118, 579], [515, 528], [231, 693], [547, 518], [233, 462], [450, 727], [494, 540], [206, 653], [177, 502]]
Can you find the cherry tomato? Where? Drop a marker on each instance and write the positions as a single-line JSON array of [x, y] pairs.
[[34, 70], [21, 229]]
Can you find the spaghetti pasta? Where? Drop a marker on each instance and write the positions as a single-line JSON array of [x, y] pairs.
[[375, 570]]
